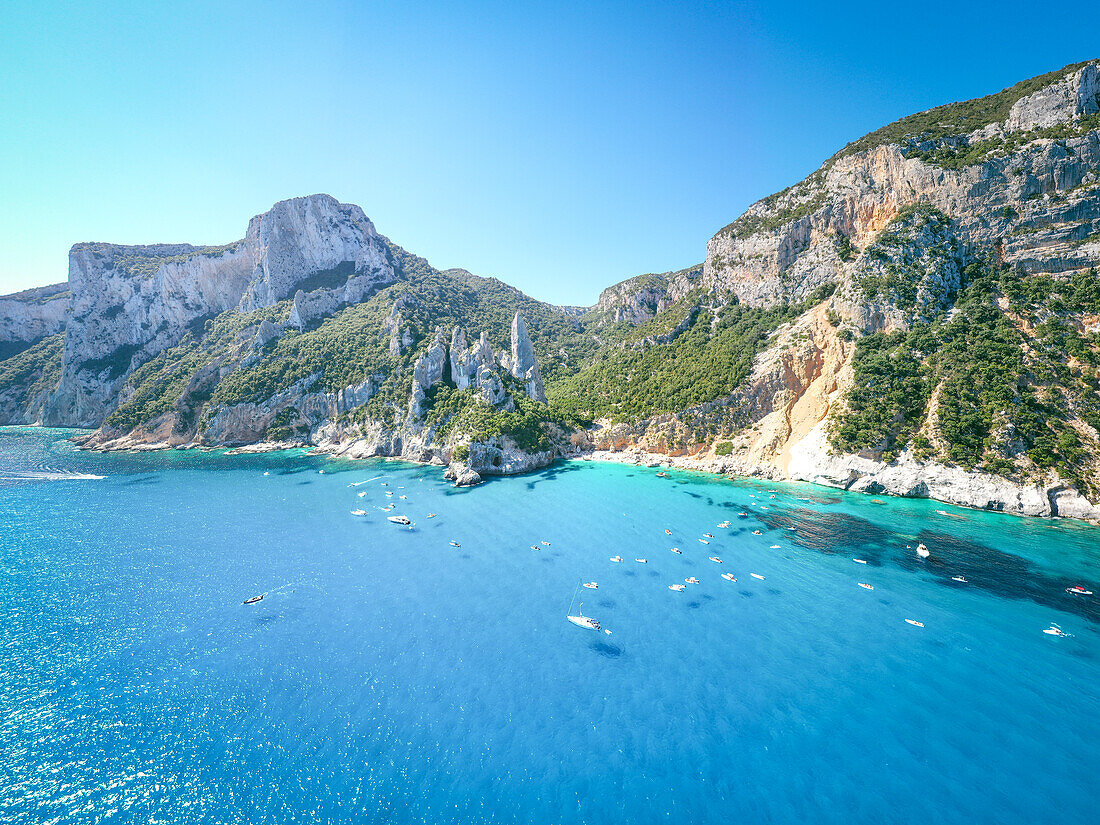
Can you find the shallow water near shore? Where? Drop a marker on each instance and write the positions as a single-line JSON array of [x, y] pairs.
[[387, 676]]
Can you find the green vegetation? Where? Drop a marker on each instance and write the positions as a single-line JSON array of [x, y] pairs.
[[958, 157], [914, 251], [1001, 394], [958, 118], [159, 384], [464, 412], [33, 371], [723, 448], [645, 375]]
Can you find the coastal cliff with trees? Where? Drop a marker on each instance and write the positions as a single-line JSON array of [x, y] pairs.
[[920, 316]]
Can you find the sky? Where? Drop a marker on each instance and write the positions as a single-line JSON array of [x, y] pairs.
[[560, 147]]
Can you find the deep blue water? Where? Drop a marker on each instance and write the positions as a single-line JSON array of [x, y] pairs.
[[389, 677]]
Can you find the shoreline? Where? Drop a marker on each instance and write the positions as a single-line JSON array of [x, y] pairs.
[[635, 457]]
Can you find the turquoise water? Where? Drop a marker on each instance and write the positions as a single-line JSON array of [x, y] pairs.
[[390, 677]]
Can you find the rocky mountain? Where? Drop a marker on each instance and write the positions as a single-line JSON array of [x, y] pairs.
[[919, 316]]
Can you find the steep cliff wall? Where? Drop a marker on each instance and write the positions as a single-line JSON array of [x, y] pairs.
[[131, 302]]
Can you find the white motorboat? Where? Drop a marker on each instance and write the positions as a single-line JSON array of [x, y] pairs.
[[399, 520]]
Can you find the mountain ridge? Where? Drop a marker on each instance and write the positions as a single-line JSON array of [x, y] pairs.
[[919, 316]]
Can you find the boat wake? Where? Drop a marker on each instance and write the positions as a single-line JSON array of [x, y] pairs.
[[48, 475]]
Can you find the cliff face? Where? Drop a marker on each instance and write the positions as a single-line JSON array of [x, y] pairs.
[[920, 316], [895, 225], [29, 316], [131, 302]]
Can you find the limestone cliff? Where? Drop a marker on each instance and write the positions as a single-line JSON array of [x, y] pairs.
[[29, 316], [131, 302]]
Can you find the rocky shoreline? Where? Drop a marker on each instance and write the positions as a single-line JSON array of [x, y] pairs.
[[902, 479]]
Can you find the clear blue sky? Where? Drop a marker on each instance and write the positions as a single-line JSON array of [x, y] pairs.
[[560, 148]]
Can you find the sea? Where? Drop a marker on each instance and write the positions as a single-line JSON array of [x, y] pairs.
[[389, 676]]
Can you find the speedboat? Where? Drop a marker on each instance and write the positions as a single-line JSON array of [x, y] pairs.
[[962, 579], [679, 588], [641, 561], [708, 535], [722, 525], [587, 622], [860, 561], [757, 576], [545, 542], [774, 547], [616, 558], [399, 520], [704, 541], [676, 550], [455, 544], [742, 514], [431, 515], [715, 559], [668, 532], [534, 547], [591, 585], [757, 533], [358, 512], [1054, 630], [729, 577], [691, 580], [914, 622], [866, 586], [1078, 590], [254, 599], [923, 551]]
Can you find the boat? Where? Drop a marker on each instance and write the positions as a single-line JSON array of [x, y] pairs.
[[704, 541], [729, 577], [866, 586], [545, 543], [399, 520], [722, 525], [679, 588], [358, 512], [668, 532], [591, 585], [402, 496], [757, 576], [580, 620], [662, 475], [267, 474], [455, 544], [677, 551], [616, 559], [360, 494], [642, 561], [708, 535], [534, 547], [586, 622], [1054, 630], [1078, 590], [923, 551], [742, 514], [774, 547], [914, 622], [757, 533], [691, 580], [715, 559], [860, 561], [431, 515], [254, 599], [962, 579]]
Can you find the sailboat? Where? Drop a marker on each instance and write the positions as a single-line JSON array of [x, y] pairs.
[[580, 620]]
